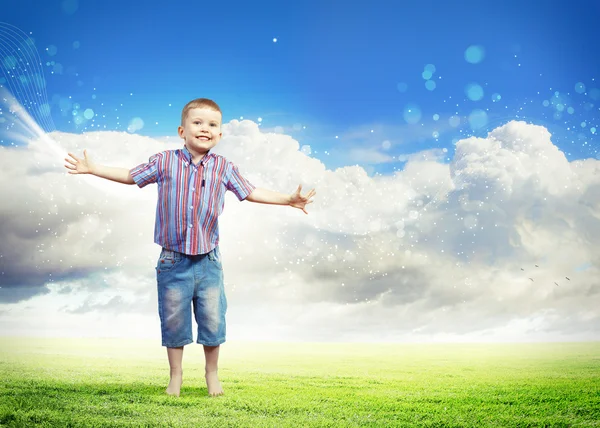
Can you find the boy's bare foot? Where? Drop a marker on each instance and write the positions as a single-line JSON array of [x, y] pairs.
[[175, 384], [213, 384]]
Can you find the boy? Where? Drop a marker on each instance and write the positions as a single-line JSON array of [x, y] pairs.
[[191, 189]]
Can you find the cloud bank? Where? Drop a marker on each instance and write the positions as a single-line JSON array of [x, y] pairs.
[[499, 244]]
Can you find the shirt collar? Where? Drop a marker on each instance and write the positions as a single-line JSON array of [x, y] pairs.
[[188, 156]]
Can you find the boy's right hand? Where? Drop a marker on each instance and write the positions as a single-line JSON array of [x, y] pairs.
[[78, 165]]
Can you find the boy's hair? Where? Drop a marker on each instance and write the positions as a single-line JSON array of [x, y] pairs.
[[199, 103]]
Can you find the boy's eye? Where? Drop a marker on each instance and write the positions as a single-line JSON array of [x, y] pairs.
[[196, 122]]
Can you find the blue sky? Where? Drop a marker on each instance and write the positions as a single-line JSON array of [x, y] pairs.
[[338, 78]]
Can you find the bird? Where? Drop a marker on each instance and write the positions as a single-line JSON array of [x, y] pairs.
[[555, 283], [568, 278], [522, 269], [531, 279], [536, 266]]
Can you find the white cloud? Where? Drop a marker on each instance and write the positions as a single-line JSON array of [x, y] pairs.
[[434, 252]]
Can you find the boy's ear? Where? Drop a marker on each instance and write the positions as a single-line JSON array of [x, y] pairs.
[[180, 131]]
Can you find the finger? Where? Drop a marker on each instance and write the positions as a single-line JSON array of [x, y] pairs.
[[85, 154], [309, 202], [70, 161], [299, 188], [74, 157], [305, 212]]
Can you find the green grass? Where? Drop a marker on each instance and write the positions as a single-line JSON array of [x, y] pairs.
[[107, 383]]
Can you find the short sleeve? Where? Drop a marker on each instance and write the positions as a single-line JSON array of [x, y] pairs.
[[238, 184], [146, 173]]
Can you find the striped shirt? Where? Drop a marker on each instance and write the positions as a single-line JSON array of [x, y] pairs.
[[190, 197]]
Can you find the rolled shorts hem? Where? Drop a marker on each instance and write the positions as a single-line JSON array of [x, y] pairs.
[[179, 344], [213, 343]]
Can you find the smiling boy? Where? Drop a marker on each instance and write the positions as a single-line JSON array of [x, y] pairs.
[[192, 183]]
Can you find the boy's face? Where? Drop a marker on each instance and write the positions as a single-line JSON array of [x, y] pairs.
[[201, 130]]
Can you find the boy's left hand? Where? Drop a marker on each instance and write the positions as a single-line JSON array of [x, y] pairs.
[[299, 201]]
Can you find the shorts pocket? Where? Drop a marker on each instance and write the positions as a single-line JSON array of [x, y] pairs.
[[215, 257], [168, 260]]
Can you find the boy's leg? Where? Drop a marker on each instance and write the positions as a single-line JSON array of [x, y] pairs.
[[211, 355], [175, 363], [210, 307], [175, 291]]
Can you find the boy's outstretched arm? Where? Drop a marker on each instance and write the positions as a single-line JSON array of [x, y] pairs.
[[295, 200], [84, 166]]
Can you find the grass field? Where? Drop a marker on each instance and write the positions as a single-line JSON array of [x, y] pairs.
[[107, 383]]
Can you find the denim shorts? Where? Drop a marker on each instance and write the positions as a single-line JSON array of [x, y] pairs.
[[191, 281]]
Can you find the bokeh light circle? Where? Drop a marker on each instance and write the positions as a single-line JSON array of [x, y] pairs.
[[478, 119], [412, 114], [454, 121], [10, 62], [430, 85], [135, 125], [51, 50], [579, 87], [474, 91], [474, 54], [70, 6]]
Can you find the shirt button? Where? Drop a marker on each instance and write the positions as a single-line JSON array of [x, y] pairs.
[[191, 206], [191, 225]]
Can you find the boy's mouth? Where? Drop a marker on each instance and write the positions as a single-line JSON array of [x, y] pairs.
[[203, 138]]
